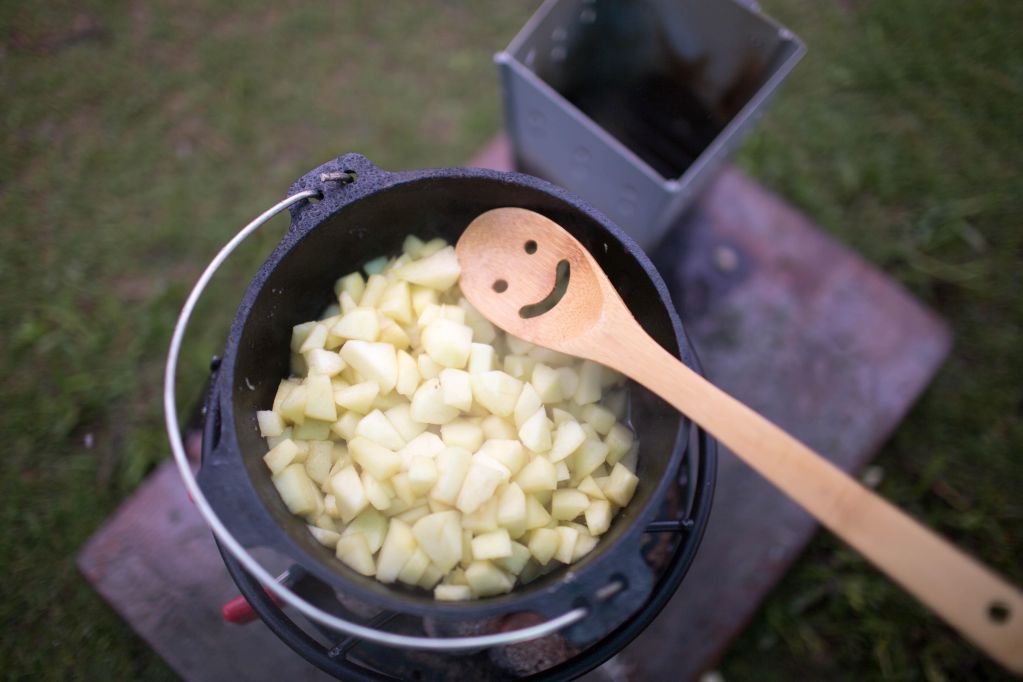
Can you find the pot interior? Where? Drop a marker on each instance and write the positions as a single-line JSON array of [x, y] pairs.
[[300, 286]]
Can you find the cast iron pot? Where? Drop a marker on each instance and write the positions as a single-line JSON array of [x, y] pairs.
[[365, 212]]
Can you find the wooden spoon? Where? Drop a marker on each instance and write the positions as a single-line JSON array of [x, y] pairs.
[[510, 260]]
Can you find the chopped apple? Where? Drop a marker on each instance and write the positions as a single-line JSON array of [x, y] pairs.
[[621, 485], [511, 510], [439, 270], [396, 303], [590, 455], [327, 538], [281, 455], [379, 461], [598, 517], [452, 593], [353, 284], [403, 489], [440, 536], [428, 404], [375, 287], [422, 297], [496, 391], [452, 467], [373, 360], [592, 490], [283, 390], [428, 368], [316, 338], [447, 342], [378, 428], [481, 481], [311, 429], [400, 417], [431, 576], [526, 406], [426, 444], [562, 470], [567, 537], [354, 553], [398, 547], [349, 494], [319, 460], [297, 490], [392, 333], [547, 383], [348, 304], [320, 361], [270, 423], [293, 407], [567, 439], [408, 375], [493, 545], [422, 474], [299, 334], [413, 514], [588, 390], [516, 561], [462, 433], [481, 358], [358, 398], [568, 504], [536, 515], [496, 427], [379, 494], [538, 475], [569, 380], [535, 433], [484, 519], [456, 389], [412, 572], [518, 346], [550, 357], [543, 544], [584, 543], [619, 440], [346, 425], [372, 525], [486, 579], [599, 417]]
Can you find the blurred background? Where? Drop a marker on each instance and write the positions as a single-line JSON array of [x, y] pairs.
[[137, 137]]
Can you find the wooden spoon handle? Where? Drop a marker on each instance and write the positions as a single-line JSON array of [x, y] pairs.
[[969, 596]]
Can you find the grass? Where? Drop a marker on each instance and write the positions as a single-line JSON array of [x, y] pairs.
[[137, 137]]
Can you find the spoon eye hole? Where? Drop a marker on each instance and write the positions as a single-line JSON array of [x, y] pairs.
[[530, 247], [500, 286]]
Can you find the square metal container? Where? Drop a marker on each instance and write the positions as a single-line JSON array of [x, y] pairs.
[[632, 104]]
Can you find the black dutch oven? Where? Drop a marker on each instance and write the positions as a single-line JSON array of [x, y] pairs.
[[365, 212]]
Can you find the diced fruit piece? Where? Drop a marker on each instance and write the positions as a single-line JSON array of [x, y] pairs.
[[372, 525], [484, 519], [452, 466], [398, 547], [447, 342], [348, 304], [412, 515], [353, 551], [590, 455], [284, 389], [562, 470], [392, 333], [481, 358], [519, 366], [311, 429], [621, 485], [375, 361], [320, 361], [270, 423], [511, 510], [375, 287], [408, 375], [537, 476], [396, 303], [527, 405], [536, 514], [358, 398], [377, 493], [496, 391], [496, 427], [567, 439], [493, 545], [376, 266], [543, 543], [456, 389], [440, 536], [346, 425], [377, 428], [568, 504], [561, 416], [481, 481], [550, 357], [535, 433], [598, 517], [327, 538], [411, 246], [352, 283], [592, 490], [569, 380], [299, 334], [317, 337], [599, 417], [428, 368], [431, 576], [403, 489], [425, 444], [421, 298], [547, 383], [281, 455], [514, 563], [462, 433], [378, 460], [567, 537], [486, 579], [507, 452], [518, 346], [412, 572], [619, 440], [348, 492], [588, 390], [400, 417], [422, 474], [319, 460], [293, 407], [297, 490], [452, 593], [437, 271], [428, 404], [583, 545]]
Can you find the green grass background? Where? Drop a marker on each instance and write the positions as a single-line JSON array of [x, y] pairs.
[[136, 137]]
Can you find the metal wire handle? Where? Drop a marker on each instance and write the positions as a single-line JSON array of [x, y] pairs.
[[244, 557]]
